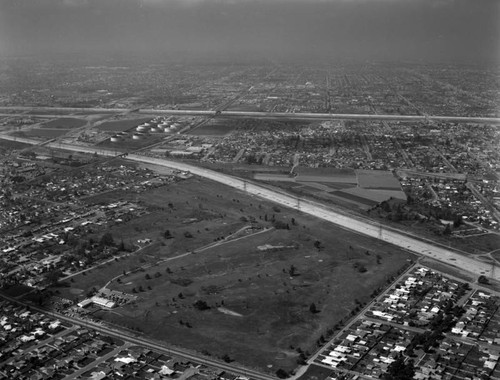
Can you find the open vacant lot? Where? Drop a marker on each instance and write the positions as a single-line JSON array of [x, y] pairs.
[[44, 133], [256, 297], [219, 127], [64, 123], [121, 125]]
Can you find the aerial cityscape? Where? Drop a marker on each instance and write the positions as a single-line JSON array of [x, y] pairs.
[[243, 190]]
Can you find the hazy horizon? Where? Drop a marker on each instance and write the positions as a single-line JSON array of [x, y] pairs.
[[460, 31]]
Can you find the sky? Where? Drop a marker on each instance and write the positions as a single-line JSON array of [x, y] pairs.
[[382, 30]]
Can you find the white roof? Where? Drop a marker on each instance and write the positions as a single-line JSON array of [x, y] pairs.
[[126, 360]]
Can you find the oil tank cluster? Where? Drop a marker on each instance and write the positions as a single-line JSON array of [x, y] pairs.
[[172, 128], [143, 127], [156, 125], [163, 126]]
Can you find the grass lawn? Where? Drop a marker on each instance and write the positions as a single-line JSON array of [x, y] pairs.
[[219, 128], [64, 123], [265, 311], [258, 313], [43, 132], [121, 125], [315, 372]]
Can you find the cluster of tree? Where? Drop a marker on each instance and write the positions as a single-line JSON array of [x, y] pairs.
[[442, 323], [141, 289], [201, 305], [398, 211], [148, 276], [400, 369], [254, 159], [302, 358], [181, 281], [52, 277], [280, 225], [282, 374], [360, 267], [107, 240], [90, 250], [483, 280], [187, 324]]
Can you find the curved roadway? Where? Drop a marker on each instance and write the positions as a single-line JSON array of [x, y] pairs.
[[349, 222], [362, 226]]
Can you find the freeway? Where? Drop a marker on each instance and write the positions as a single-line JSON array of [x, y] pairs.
[[256, 115], [360, 225]]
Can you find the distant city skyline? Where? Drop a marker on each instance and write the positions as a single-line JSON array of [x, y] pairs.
[[387, 30]]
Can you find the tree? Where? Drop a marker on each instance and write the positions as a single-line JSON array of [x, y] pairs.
[[302, 359], [53, 277], [280, 225], [107, 239], [483, 280], [281, 373], [447, 230], [292, 271], [313, 309], [457, 221], [399, 370], [121, 247], [317, 245], [167, 235]]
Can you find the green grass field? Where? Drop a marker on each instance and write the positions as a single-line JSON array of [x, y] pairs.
[[64, 123], [45, 133], [121, 125], [259, 313]]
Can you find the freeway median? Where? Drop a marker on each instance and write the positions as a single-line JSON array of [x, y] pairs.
[[260, 115]]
